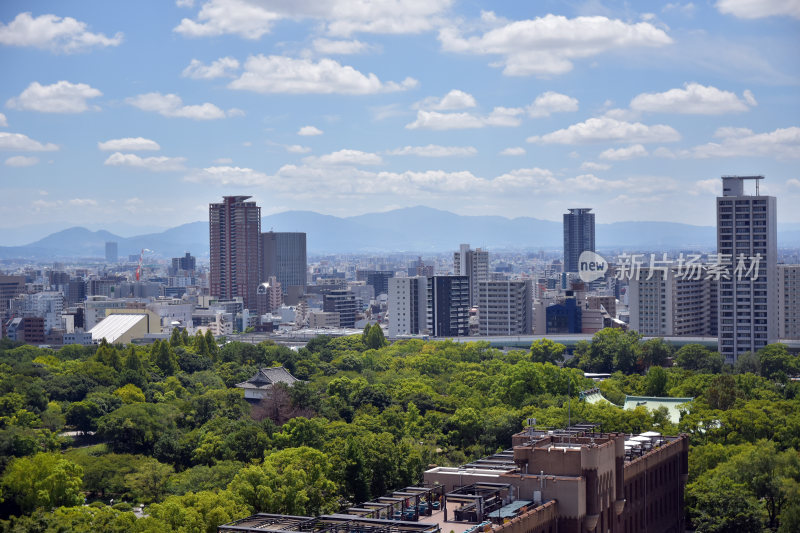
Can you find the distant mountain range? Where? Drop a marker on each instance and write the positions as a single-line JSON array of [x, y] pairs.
[[413, 229]]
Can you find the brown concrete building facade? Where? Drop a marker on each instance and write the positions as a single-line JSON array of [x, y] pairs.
[[580, 481]]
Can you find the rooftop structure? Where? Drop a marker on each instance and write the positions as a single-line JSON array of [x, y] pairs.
[[654, 402], [336, 523], [569, 480], [121, 328], [576, 479]]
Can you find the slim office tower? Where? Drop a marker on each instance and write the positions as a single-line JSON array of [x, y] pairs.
[[235, 249], [285, 258], [747, 244], [111, 252], [578, 236], [475, 265]]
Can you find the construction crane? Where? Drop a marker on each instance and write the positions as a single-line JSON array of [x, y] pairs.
[[141, 259]]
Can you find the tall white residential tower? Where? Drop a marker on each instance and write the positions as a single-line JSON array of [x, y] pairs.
[[747, 237]]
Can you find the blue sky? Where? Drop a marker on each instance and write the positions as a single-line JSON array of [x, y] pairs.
[[129, 114]]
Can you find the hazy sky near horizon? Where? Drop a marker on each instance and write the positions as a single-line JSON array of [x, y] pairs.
[[142, 113]]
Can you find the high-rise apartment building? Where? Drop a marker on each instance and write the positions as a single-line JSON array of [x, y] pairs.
[[378, 279], [747, 244], [341, 301], [407, 305], [187, 263], [789, 301], [111, 252], [284, 256], [448, 306], [578, 236], [10, 287], [671, 303], [505, 307], [269, 296], [235, 249], [475, 265]]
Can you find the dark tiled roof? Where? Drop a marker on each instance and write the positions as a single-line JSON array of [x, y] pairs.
[[266, 377]]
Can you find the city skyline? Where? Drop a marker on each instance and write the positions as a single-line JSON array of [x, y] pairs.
[[139, 114]]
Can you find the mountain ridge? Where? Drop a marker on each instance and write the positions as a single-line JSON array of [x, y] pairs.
[[411, 229]]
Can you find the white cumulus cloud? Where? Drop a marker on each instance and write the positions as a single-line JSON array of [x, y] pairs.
[[83, 202], [128, 144], [606, 129], [340, 47], [308, 131], [783, 143], [281, 74], [693, 99], [453, 100], [513, 151], [347, 157], [621, 154], [547, 46], [224, 67], [220, 17], [18, 142], [154, 164], [755, 9], [551, 102], [591, 165], [171, 105], [227, 175], [433, 150], [54, 33], [434, 120], [60, 97], [297, 149], [3, 121], [251, 19], [21, 161]]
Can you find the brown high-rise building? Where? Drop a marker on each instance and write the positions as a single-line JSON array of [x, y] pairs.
[[10, 287], [235, 249]]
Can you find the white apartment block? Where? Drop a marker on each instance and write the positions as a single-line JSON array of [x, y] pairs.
[[670, 303], [789, 301], [747, 227], [47, 305], [473, 264], [407, 305], [505, 307]]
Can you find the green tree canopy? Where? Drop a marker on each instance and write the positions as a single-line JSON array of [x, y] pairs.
[[547, 351], [45, 480]]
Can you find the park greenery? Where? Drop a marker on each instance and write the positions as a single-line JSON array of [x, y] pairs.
[[88, 434]]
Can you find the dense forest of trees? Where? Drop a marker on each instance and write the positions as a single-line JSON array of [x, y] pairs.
[[162, 425]]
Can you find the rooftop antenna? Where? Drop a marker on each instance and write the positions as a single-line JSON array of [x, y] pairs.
[[569, 411]]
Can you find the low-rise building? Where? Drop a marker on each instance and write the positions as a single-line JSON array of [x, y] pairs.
[[323, 319]]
